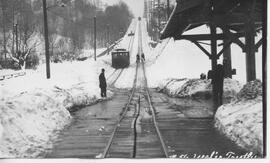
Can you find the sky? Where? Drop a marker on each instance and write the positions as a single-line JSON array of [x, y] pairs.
[[136, 6]]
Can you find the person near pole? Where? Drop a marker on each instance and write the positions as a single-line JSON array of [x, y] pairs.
[[102, 83]]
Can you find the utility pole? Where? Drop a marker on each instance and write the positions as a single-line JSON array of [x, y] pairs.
[[108, 38], [168, 9], [95, 38], [13, 40], [47, 54], [159, 15], [159, 21], [16, 38]]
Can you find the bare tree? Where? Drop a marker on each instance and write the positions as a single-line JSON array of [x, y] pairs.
[[26, 30]]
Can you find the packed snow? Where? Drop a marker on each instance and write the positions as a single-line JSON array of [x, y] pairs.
[[242, 119], [197, 88]]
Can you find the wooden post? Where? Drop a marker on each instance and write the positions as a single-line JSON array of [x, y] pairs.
[[47, 54], [95, 38], [108, 38], [16, 38], [168, 9], [159, 21], [250, 51], [214, 64], [227, 61]]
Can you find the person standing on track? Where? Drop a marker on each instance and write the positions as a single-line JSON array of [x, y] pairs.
[[138, 58], [143, 58], [102, 83]]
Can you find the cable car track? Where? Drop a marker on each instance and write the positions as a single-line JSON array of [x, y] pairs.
[[126, 140], [122, 116], [130, 46], [117, 77]]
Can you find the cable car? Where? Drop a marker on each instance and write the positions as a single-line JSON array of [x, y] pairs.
[[120, 58]]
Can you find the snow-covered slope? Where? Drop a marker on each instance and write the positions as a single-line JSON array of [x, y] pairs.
[[242, 119]]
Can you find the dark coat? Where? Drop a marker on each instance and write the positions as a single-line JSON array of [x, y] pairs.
[[102, 81], [219, 77]]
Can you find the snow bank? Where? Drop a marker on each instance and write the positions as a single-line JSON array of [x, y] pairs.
[[33, 109], [196, 88], [29, 120], [241, 120]]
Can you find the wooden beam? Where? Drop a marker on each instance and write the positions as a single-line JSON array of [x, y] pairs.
[[225, 19], [235, 39], [207, 37], [258, 44], [202, 48], [225, 47]]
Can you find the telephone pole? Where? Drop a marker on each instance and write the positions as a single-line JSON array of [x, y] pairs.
[[168, 9], [16, 38], [47, 54], [159, 15], [108, 38], [95, 38]]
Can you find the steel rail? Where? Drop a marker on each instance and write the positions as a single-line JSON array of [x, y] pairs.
[[149, 100], [119, 74], [138, 110], [122, 116], [154, 115], [111, 74], [130, 50], [130, 45]]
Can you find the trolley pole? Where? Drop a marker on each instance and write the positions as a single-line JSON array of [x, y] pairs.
[[46, 39], [95, 38]]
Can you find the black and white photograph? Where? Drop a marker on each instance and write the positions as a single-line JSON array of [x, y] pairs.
[[133, 79]]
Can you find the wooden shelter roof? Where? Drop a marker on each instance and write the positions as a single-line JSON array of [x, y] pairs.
[[232, 14]]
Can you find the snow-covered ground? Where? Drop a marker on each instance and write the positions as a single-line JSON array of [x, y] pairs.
[[241, 120], [33, 108], [197, 88]]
